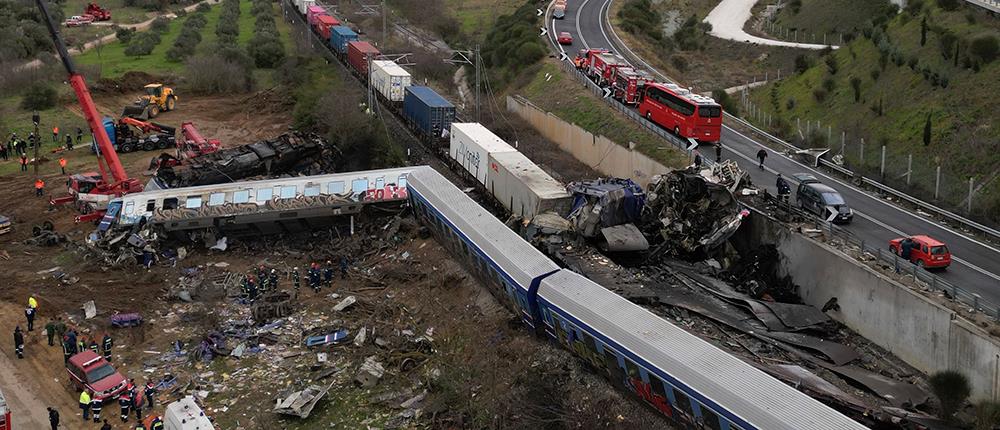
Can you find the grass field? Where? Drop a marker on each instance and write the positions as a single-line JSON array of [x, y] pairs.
[[964, 138], [120, 14], [475, 17], [824, 16], [587, 111]]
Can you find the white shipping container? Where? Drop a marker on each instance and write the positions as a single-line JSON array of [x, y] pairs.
[[471, 145], [389, 79], [304, 5], [524, 188]]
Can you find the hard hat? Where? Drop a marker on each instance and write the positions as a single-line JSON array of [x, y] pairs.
[[295, 268]]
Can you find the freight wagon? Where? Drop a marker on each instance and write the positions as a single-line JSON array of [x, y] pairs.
[[339, 37], [429, 113], [323, 25], [312, 12], [471, 145], [359, 53], [524, 188], [303, 5], [389, 80]]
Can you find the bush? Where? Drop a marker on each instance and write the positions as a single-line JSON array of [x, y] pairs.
[[952, 389], [726, 101], [856, 86], [985, 48], [202, 8], [829, 84], [160, 25], [948, 41], [912, 63], [125, 34], [679, 62], [142, 44], [875, 74], [831, 64], [186, 42], [180, 13], [790, 103], [39, 96], [949, 4], [513, 45], [819, 94], [213, 74], [987, 415], [641, 19], [802, 63]]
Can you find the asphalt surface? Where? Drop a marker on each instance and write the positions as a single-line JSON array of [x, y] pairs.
[[975, 264]]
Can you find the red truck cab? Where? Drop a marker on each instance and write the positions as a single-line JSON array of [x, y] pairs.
[[89, 371], [926, 251], [628, 84]]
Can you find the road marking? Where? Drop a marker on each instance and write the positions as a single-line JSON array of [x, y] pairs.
[[578, 32]]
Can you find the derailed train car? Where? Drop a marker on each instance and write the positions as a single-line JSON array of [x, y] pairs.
[[687, 379]]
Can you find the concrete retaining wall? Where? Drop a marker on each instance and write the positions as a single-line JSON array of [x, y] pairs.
[[598, 152], [926, 335]]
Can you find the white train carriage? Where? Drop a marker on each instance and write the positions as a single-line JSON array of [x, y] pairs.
[[510, 266], [258, 202]]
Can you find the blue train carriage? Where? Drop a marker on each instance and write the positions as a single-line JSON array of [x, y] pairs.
[[685, 378], [428, 113], [509, 266], [339, 37]]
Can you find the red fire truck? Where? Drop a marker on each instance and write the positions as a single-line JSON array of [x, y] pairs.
[[4, 414], [599, 64], [689, 115], [628, 84]]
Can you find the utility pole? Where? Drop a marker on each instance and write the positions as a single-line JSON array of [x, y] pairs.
[[470, 58], [35, 118], [385, 33], [478, 80]]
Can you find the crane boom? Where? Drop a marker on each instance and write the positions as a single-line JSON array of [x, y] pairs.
[[87, 105]]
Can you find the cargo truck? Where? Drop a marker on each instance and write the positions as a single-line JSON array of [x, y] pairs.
[[470, 146]]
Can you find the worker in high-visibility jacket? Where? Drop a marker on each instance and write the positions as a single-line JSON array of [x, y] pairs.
[[85, 404], [39, 187], [62, 164], [95, 407], [32, 303]]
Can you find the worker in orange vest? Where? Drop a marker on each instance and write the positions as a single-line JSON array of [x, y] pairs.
[[62, 164], [55, 133], [39, 187]]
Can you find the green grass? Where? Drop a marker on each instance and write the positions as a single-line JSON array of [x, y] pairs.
[[114, 62], [587, 111], [824, 16], [246, 22], [475, 17], [964, 137], [119, 13]]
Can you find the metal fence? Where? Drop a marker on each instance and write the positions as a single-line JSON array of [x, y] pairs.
[[881, 254]]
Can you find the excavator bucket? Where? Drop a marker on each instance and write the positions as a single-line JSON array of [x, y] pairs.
[[136, 110]]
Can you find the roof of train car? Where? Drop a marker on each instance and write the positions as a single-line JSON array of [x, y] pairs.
[[232, 186], [745, 391], [518, 258]]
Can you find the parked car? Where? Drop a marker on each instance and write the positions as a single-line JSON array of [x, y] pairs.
[[925, 251], [820, 199], [565, 38], [89, 371], [79, 20]]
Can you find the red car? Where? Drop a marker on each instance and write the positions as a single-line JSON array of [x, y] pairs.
[[565, 38], [90, 371], [925, 251]]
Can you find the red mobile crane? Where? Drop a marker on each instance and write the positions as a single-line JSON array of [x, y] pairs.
[[91, 191]]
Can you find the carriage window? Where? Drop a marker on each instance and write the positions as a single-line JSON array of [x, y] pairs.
[[656, 385], [241, 196], [170, 203], [193, 202], [336, 187], [465, 248], [311, 190], [216, 199], [288, 192], [710, 419], [402, 181], [129, 208], [380, 183], [610, 359], [633, 370], [359, 186], [683, 402], [264, 194], [150, 205]]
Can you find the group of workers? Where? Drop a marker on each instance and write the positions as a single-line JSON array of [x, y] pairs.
[[130, 399], [262, 281], [29, 314]]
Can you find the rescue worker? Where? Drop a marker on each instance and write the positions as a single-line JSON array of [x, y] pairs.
[[251, 289], [55, 134], [156, 424], [296, 282], [71, 340], [149, 392], [95, 408], [313, 275], [343, 267], [85, 404], [79, 135], [106, 343], [24, 162], [106, 425], [94, 347], [263, 279], [50, 331], [125, 403], [139, 426], [39, 187], [273, 279], [18, 342], [53, 418], [328, 274], [69, 142], [783, 189], [29, 313], [137, 403], [67, 351], [62, 164], [32, 303], [906, 248], [761, 155], [697, 160], [718, 152], [81, 344]]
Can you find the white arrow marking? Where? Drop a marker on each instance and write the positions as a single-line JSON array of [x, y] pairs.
[[564, 57], [833, 213], [694, 144], [544, 31], [539, 12], [607, 92]]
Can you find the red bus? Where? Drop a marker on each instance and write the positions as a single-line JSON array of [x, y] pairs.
[[689, 115]]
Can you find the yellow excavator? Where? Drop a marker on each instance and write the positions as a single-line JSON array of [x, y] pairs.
[[158, 98]]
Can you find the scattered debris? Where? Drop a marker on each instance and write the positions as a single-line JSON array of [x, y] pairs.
[[300, 403], [89, 310], [371, 371], [126, 320], [604, 203], [348, 301], [334, 337]]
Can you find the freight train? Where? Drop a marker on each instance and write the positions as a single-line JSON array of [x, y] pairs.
[[694, 383], [688, 380]]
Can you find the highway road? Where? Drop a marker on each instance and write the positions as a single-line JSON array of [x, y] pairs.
[[976, 264]]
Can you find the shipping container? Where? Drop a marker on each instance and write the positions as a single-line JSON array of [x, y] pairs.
[[471, 145], [428, 111], [323, 25], [312, 12], [389, 79], [305, 4], [358, 54], [524, 188], [339, 36]]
